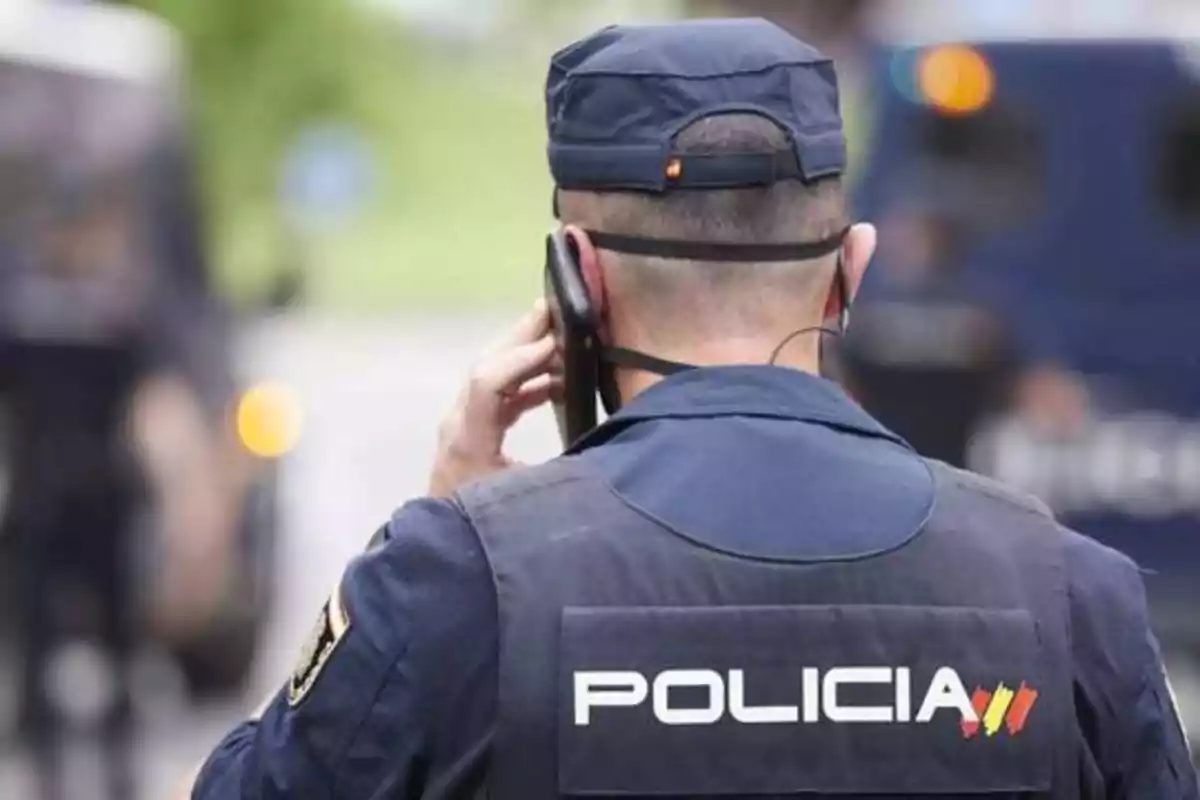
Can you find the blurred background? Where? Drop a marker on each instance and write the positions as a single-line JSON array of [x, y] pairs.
[[248, 249]]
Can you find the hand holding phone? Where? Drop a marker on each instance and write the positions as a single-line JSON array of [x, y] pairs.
[[512, 377]]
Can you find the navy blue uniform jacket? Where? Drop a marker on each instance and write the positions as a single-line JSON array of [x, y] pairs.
[[404, 703]]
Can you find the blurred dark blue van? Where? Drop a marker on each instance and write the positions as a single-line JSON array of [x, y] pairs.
[[1034, 310]]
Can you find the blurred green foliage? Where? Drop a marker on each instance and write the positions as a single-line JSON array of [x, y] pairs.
[[256, 72], [460, 194]]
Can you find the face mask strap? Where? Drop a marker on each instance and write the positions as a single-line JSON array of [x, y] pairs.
[[632, 359]]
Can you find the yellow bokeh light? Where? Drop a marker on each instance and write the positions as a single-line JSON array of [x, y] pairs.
[[955, 79], [268, 420]]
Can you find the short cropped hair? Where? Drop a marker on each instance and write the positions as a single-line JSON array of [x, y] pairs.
[[717, 298]]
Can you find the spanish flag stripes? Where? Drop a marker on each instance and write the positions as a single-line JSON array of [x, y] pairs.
[[1003, 707]]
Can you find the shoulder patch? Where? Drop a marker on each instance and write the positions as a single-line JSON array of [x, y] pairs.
[[330, 629]]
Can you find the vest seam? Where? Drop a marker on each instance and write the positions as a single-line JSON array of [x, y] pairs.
[[969, 481], [495, 497], [1004, 498], [464, 507], [1062, 595]]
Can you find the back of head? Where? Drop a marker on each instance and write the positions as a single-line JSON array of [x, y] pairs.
[[679, 297], [721, 132]]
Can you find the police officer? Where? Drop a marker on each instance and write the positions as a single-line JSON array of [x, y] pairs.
[[72, 356], [740, 584]]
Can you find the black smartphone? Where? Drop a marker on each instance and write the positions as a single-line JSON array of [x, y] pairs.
[[577, 330]]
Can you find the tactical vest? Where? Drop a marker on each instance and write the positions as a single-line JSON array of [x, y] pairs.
[[635, 662]]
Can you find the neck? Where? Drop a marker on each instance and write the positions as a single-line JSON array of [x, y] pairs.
[[802, 353]]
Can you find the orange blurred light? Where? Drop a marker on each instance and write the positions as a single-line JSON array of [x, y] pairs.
[[955, 79], [268, 420]]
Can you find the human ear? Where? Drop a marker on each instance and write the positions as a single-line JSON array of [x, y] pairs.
[[589, 268], [857, 251]]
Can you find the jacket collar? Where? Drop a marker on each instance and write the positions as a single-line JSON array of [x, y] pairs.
[[742, 391]]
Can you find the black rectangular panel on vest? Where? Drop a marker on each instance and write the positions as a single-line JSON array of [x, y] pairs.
[[779, 700]]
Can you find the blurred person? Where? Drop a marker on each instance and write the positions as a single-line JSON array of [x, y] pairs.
[[925, 334], [74, 354], [672, 608], [131, 488], [929, 325]]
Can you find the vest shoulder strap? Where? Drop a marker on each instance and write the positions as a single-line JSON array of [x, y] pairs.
[[480, 496], [561, 495]]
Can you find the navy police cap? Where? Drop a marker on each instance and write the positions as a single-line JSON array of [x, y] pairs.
[[616, 100]]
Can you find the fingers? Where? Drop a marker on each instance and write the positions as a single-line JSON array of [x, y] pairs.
[[499, 379], [531, 327], [511, 378], [547, 384], [534, 394]]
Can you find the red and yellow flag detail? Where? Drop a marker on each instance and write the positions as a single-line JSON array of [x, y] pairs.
[[979, 702], [993, 718], [1002, 708], [1018, 712]]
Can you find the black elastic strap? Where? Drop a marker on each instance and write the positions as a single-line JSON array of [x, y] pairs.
[[632, 359], [715, 251]]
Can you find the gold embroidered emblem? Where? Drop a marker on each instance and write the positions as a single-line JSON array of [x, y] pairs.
[[328, 632]]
